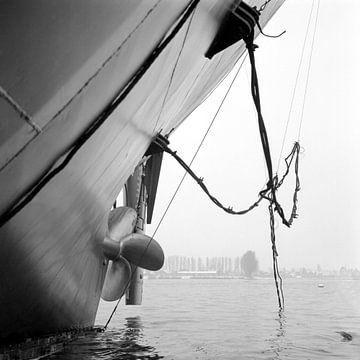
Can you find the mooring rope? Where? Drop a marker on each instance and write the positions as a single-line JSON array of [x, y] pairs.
[[178, 187], [273, 184], [265, 194], [270, 192]]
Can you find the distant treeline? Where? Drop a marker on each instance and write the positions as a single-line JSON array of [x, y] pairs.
[[235, 265]]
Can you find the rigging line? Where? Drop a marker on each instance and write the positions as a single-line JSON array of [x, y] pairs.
[[309, 67], [191, 6], [133, 270], [207, 82], [185, 98], [174, 68], [295, 85], [183, 177], [142, 178], [267, 35], [178, 187], [199, 147], [207, 95], [51, 172], [218, 110], [272, 186]]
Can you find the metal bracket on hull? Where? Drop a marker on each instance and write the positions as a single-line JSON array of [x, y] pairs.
[[238, 24], [152, 172], [137, 181], [127, 248]]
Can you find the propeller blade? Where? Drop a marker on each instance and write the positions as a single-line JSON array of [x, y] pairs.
[[143, 251], [121, 222], [117, 279]]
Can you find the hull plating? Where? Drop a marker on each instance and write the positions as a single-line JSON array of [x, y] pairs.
[[61, 72]]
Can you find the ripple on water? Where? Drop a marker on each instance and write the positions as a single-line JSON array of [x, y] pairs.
[[229, 319]]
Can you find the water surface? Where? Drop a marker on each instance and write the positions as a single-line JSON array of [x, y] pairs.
[[229, 319]]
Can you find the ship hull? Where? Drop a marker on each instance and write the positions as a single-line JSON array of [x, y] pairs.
[[62, 75]]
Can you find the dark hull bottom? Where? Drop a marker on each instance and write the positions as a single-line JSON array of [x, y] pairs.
[[33, 348]]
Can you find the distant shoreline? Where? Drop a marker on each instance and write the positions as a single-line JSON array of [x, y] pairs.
[[239, 277]]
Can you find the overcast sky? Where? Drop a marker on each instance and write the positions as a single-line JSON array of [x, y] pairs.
[[231, 160]]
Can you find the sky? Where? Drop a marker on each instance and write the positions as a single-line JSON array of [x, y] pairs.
[[231, 162]]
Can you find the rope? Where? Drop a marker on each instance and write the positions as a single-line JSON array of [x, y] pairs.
[[294, 154], [277, 277], [267, 35], [115, 308], [174, 68], [142, 188], [295, 85], [270, 192], [179, 185], [190, 10], [187, 168], [264, 194], [272, 186], [142, 185], [308, 70], [51, 172]]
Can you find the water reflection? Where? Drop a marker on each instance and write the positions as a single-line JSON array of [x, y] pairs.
[[126, 343], [277, 341]]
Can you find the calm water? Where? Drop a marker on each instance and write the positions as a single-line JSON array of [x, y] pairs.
[[229, 319]]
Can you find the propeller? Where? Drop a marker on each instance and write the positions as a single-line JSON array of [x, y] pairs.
[[138, 249], [121, 222], [143, 251], [117, 280], [124, 248]]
